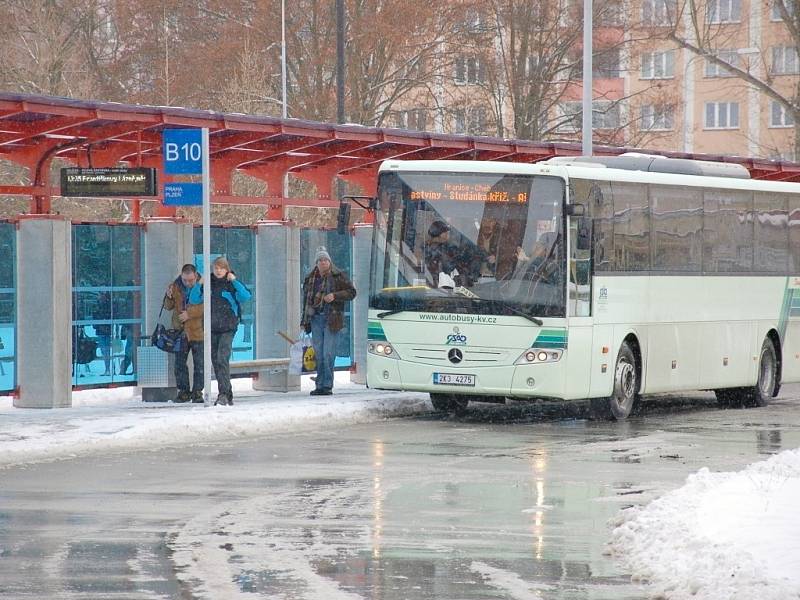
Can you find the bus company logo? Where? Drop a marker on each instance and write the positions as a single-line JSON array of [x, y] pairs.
[[603, 293], [456, 338]]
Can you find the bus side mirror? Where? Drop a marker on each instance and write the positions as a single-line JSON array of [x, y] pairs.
[[576, 210], [343, 218]]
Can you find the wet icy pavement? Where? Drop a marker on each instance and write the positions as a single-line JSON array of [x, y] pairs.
[[507, 502]]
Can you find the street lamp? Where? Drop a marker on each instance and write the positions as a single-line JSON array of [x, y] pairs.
[[284, 111], [586, 130]]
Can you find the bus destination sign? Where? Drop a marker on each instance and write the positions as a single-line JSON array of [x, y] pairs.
[[109, 181], [467, 192]]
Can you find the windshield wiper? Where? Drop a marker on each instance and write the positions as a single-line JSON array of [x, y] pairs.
[[516, 311], [475, 299], [389, 313]]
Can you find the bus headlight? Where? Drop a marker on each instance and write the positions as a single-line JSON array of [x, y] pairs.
[[382, 349], [535, 356]]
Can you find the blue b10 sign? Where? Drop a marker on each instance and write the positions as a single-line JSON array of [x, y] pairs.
[[183, 151]]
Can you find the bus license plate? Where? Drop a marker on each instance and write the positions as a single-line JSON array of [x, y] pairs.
[[453, 379]]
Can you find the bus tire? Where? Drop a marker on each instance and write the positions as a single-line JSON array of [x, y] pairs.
[[449, 403], [626, 384], [763, 391]]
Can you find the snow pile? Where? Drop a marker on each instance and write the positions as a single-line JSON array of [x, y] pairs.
[[116, 419], [720, 536]]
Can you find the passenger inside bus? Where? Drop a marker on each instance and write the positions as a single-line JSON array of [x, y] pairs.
[[488, 237], [541, 263], [440, 255], [450, 264]]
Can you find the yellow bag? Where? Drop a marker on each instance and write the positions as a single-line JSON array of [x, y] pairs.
[[309, 359], [301, 357]]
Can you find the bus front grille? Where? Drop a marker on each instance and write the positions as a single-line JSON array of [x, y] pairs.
[[471, 356]]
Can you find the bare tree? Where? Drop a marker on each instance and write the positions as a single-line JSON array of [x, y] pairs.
[[705, 31], [53, 47]]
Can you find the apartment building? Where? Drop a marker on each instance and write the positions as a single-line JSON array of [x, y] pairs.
[[650, 88]]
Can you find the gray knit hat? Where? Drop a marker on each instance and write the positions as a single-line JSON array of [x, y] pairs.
[[322, 252]]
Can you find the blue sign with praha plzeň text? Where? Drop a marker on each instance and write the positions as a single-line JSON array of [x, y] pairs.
[[183, 194]]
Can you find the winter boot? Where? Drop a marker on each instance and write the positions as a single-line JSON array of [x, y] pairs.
[[183, 396]]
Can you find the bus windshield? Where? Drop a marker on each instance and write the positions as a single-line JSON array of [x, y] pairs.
[[479, 243]]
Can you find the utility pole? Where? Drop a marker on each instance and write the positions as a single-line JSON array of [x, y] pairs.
[[339, 78], [586, 130], [340, 61], [284, 110]]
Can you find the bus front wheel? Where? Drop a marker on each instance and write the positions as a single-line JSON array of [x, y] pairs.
[[449, 403], [626, 386]]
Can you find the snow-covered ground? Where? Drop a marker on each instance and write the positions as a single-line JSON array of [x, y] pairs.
[[720, 536], [108, 420]]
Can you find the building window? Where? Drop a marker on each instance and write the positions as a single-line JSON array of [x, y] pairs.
[[533, 64], [659, 12], [470, 121], [785, 60], [411, 119], [658, 65], [657, 118], [469, 69], [775, 12], [606, 64], [609, 14], [724, 11], [722, 115], [605, 115], [716, 70], [477, 120], [779, 116], [474, 22], [570, 116]]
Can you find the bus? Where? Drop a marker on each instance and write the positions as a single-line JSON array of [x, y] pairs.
[[583, 278]]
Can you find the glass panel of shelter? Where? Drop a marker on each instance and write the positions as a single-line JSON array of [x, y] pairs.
[[106, 303], [339, 246], [237, 244], [8, 303]]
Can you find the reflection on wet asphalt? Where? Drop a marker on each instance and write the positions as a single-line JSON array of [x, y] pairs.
[[509, 502]]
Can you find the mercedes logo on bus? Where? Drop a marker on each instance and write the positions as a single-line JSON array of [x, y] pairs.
[[455, 356]]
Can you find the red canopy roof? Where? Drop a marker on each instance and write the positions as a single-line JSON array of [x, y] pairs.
[[35, 129]]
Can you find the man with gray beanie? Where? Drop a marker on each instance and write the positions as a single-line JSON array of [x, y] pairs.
[[325, 290]]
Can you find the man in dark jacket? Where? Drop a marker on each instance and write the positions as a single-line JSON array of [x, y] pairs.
[[325, 290]]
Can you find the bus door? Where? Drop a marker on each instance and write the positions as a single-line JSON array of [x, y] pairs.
[[579, 306]]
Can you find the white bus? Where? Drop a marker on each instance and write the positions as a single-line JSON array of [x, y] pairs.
[[583, 278]]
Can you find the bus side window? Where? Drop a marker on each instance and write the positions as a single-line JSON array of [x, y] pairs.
[[580, 267]]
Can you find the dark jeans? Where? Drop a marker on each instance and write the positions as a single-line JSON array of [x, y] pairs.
[[221, 345], [182, 371], [324, 342]]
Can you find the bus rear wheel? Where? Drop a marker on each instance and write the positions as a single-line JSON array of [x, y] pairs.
[[762, 392], [764, 389], [449, 403], [626, 388]]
